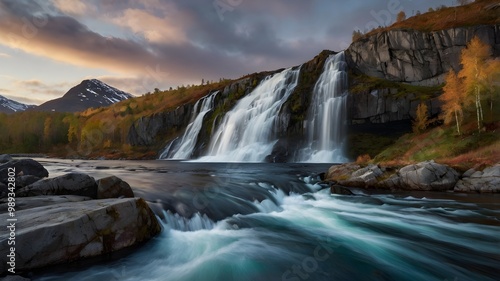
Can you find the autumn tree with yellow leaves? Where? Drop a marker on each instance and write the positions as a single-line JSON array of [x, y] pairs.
[[453, 100], [474, 60], [476, 82]]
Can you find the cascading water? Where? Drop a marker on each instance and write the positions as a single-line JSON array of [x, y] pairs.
[[268, 221], [248, 132], [184, 149], [327, 113]]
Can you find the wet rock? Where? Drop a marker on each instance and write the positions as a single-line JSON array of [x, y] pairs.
[[486, 181], [23, 203], [69, 184], [113, 187], [338, 189], [393, 182], [24, 167], [23, 181], [4, 158], [364, 177], [427, 176], [3, 190], [61, 233], [338, 173]]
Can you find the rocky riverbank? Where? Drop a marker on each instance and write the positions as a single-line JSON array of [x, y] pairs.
[[424, 176], [66, 218]]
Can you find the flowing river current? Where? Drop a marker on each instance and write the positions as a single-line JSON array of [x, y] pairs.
[[228, 221]]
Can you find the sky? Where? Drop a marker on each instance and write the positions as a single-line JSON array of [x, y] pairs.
[[49, 46]]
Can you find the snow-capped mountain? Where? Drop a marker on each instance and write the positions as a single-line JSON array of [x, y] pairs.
[[89, 93], [11, 106]]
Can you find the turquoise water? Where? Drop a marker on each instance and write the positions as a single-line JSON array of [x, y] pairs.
[[273, 222]]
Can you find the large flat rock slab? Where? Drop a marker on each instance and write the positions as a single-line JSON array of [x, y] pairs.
[[64, 232]]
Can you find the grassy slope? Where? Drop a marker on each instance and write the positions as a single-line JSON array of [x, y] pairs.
[[479, 12]]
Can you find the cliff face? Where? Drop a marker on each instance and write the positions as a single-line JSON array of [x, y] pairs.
[[145, 130], [156, 129], [384, 105], [420, 58]]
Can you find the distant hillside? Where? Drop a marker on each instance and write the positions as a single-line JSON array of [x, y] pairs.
[[88, 94], [11, 106]]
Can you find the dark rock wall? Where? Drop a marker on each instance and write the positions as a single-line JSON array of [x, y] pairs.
[[421, 58]]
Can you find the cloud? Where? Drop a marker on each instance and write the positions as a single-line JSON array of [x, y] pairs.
[[161, 43], [4, 55], [36, 91], [167, 30], [72, 7]]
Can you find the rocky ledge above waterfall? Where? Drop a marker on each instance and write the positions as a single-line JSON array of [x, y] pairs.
[[417, 57]]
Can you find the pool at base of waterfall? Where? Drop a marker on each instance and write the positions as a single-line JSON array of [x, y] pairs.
[[232, 221]]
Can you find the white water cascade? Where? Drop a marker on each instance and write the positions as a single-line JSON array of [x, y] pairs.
[[327, 114], [184, 149], [248, 132]]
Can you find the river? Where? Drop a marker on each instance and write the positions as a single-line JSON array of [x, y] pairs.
[[230, 221]]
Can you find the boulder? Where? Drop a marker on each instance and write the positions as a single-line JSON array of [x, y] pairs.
[[113, 187], [65, 232], [486, 181], [338, 189], [393, 182], [365, 177], [338, 173], [4, 158], [427, 176], [3, 190], [23, 181], [23, 167], [69, 184], [23, 203]]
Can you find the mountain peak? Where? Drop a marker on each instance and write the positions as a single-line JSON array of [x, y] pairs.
[[89, 93], [11, 106]]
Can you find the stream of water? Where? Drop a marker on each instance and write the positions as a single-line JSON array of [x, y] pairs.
[[229, 221]]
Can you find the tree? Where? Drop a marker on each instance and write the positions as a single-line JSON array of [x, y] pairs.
[[452, 99], [463, 2], [356, 34], [474, 60], [492, 82], [401, 16], [421, 120], [47, 131]]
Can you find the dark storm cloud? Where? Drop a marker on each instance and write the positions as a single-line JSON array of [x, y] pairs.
[[201, 41]]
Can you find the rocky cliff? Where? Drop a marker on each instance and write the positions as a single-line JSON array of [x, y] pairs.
[[391, 73], [146, 130], [420, 58], [161, 128]]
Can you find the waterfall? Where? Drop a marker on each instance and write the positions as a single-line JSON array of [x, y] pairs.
[[184, 148], [247, 133], [327, 114]]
